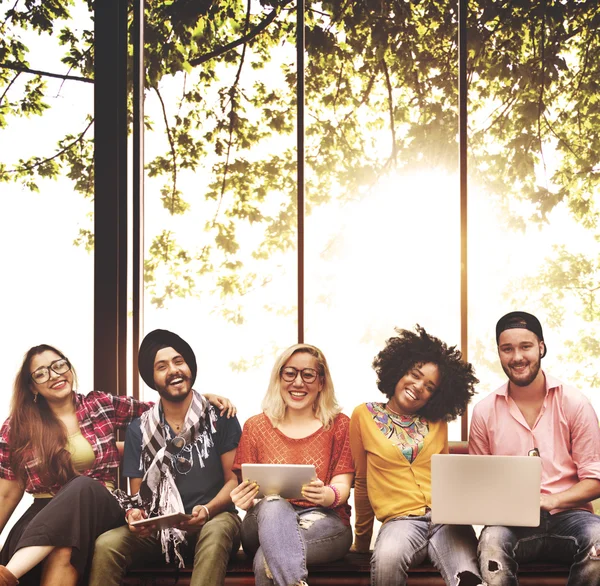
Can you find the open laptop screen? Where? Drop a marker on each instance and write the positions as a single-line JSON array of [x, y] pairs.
[[485, 490]]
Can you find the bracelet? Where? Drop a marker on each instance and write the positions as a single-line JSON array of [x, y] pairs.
[[127, 514], [337, 498], [207, 512]]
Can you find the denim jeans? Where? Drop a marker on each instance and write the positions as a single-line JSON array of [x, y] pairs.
[[408, 541], [285, 538], [572, 537], [118, 550]]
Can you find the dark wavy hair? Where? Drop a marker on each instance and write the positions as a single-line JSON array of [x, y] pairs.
[[410, 349], [35, 431]]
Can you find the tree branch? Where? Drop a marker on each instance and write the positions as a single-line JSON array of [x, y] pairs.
[[56, 155], [85, 53], [8, 86], [337, 87], [259, 28], [23, 69], [506, 106], [232, 93], [390, 97], [542, 87], [173, 154]]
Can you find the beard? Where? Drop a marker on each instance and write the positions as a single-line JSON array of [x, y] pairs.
[[534, 368], [175, 397]]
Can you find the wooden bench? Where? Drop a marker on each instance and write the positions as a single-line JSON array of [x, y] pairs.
[[352, 570]]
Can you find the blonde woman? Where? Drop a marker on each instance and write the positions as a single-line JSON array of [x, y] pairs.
[[301, 423]]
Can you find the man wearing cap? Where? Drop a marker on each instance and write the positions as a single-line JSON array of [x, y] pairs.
[[535, 414], [178, 458]]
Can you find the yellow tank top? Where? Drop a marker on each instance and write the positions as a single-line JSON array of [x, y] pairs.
[[82, 456]]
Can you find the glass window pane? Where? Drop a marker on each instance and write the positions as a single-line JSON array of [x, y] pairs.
[[46, 186], [533, 185], [383, 230], [220, 200]]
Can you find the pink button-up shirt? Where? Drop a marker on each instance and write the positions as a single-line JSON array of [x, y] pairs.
[[566, 434]]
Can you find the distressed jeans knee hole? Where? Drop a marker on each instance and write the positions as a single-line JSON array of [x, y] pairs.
[[494, 566], [307, 521], [468, 579], [595, 552]]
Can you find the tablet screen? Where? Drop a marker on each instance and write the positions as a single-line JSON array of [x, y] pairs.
[[285, 480]]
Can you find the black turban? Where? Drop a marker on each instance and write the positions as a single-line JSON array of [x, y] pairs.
[[157, 340]]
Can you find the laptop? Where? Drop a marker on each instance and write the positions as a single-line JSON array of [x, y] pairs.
[[485, 490]]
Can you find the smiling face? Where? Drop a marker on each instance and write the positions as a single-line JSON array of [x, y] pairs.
[[58, 387], [520, 353], [415, 388], [172, 375], [298, 394]]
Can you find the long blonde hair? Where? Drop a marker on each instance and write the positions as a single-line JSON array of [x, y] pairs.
[[326, 406]]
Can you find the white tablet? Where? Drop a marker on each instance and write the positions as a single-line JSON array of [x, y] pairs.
[[162, 521], [285, 480]]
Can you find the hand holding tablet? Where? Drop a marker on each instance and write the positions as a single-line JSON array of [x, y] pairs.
[[285, 480], [162, 521]]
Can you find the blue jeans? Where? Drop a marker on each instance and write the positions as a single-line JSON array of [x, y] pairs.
[[284, 538], [571, 537], [408, 541]]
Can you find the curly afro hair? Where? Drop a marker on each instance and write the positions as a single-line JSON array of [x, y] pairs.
[[410, 349]]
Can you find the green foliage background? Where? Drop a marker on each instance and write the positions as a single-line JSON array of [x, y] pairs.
[[381, 86]]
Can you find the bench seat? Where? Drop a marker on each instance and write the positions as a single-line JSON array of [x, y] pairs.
[[353, 570]]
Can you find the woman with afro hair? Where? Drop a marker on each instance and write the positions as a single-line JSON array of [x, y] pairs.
[[426, 384]]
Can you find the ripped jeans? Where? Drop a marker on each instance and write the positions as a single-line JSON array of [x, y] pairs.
[[408, 541], [284, 538], [572, 537]]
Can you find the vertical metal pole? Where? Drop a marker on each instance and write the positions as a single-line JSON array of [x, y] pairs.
[[137, 264], [462, 125], [110, 196], [300, 98]]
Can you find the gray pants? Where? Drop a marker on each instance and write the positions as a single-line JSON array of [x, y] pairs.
[[119, 550]]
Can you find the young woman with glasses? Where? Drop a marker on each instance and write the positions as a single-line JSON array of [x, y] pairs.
[[60, 446], [426, 384], [301, 423]]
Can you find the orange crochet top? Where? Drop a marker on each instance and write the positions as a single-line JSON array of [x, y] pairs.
[[327, 449]]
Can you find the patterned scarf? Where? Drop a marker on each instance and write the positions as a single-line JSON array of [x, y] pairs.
[[158, 494]]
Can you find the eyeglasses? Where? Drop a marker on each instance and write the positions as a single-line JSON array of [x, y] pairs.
[[289, 374], [181, 454], [42, 374]]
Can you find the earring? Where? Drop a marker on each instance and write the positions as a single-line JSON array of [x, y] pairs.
[[35, 397]]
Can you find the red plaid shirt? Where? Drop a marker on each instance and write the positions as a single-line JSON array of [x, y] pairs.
[[100, 415]]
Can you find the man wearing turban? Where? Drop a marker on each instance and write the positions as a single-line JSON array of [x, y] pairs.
[[178, 458]]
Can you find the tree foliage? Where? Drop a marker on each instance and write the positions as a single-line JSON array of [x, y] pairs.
[[381, 87]]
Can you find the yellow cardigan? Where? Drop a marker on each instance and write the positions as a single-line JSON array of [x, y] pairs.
[[386, 484]]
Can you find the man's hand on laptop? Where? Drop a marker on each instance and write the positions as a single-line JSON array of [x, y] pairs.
[[549, 502]]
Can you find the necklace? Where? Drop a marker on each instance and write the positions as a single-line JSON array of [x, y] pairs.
[[388, 408], [176, 426]]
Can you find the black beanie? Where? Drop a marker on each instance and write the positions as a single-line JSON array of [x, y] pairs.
[[521, 319], [157, 340]]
